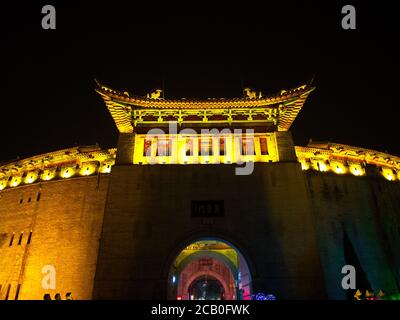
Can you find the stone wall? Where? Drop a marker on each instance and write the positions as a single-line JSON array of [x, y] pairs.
[[295, 229], [148, 221], [362, 214], [65, 218]]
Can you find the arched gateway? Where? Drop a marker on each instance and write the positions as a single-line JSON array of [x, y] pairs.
[[209, 269]]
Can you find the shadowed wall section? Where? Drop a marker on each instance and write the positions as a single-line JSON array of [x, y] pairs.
[[367, 212], [148, 217]]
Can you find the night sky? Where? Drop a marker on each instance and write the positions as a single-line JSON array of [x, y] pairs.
[[48, 100]]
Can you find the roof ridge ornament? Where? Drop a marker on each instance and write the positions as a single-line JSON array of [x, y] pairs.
[[278, 110], [250, 93], [155, 94]]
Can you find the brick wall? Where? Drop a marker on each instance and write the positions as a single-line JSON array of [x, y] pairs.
[[366, 210], [65, 218], [148, 221]]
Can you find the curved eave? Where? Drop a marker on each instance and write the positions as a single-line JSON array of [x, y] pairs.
[[292, 110], [119, 112], [120, 105], [142, 102]]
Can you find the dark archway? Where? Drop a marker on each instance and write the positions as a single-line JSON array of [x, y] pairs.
[[206, 288]]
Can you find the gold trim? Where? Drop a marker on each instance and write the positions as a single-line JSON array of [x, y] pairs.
[[130, 111]]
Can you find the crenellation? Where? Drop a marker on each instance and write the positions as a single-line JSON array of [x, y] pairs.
[[343, 159], [64, 164]]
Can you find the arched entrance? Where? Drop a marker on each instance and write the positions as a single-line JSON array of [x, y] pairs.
[[209, 269]]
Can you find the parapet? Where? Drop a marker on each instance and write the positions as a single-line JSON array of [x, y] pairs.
[[62, 164]]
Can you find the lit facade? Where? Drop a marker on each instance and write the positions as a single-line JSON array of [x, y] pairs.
[[165, 213]]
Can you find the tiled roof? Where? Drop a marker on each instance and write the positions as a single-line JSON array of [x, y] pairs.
[[286, 105]]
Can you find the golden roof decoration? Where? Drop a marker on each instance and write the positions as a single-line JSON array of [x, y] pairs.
[[76, 155], [129, 111], [91, 160], [328, 150]]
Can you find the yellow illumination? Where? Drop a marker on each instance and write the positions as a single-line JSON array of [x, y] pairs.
[[3, 184], [48, 174], [185, 149], [67, 173], [129, 112], [388, 174], [31, 177], [356, 158], [304, 165], [323, 167], [15, 181], [338, 167], [87, 169], [106, 168], [356, 170]]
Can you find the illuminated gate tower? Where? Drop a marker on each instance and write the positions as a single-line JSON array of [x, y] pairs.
[[182, 223]]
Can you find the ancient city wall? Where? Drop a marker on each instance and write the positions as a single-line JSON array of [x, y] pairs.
[[56, 223], [357, 222]]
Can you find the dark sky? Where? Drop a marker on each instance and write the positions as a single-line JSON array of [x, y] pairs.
[[48, 99]]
